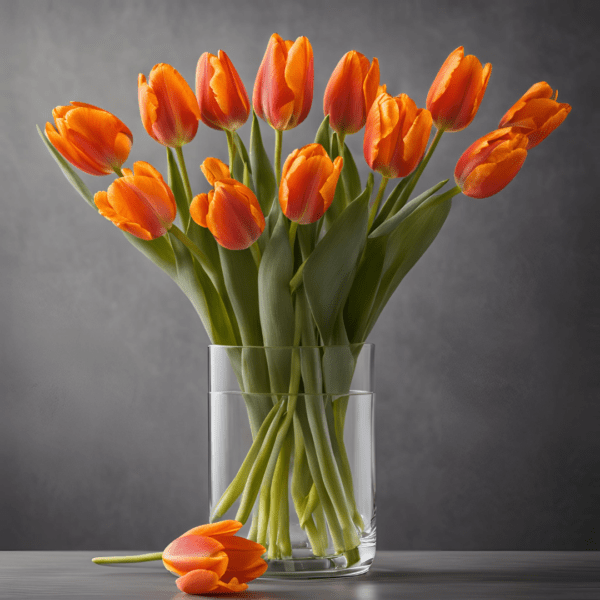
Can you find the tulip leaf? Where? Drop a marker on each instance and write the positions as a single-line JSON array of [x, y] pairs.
[[330, 269], [241, 280], [241, 148], [322, 136], [176, 185], [199, 288], [68, 171], [237, 171], [388, 226], [262, 171], [350, 175], [275, 301], [159, 251], [388, 206], [406, 244]]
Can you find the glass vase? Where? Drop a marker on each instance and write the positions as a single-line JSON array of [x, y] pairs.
[[292, 454]]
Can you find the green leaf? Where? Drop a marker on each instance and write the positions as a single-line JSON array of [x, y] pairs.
[[68, 171], [200, 290], [239, 144], [389, 203], [322, 136], [159, 251], [350, 175], [275, 302], [388, 226], [330, 269], [406, 245], [241, 279], [262, 171], [176, 184]]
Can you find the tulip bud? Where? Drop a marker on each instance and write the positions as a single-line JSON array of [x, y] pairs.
[[536, 114], [231, 212], [283, 89], [168, 107], [351, 90], [457, 91], [210, 559], [222, 97], [90, 138], [214, 169], [140, 203], [396, 135], [489, 164], [308, 183]]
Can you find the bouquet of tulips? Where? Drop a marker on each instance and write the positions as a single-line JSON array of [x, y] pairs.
[[299, 255]]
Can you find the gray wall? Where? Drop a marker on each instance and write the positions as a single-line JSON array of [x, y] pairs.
[[487, 367]]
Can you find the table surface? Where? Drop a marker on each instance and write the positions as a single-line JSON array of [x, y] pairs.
[[394, 575]]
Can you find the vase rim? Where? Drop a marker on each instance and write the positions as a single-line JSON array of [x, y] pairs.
[[362, 344]]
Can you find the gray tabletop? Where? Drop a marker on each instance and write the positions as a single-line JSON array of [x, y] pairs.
[[394, 575]]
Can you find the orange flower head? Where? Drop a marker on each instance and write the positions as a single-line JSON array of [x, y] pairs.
[[456, 93], [396, 135], [211, 559], [490, 164], [283, 89], [536, 114], [140, 203], [90, 138], [308, 182], [231, 212], [214, 169], [351, 90], [168, 106], [222, 97]]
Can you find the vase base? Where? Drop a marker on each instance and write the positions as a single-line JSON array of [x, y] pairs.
[[311, 567]]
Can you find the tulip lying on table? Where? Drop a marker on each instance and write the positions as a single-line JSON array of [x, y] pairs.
[[209, 559]]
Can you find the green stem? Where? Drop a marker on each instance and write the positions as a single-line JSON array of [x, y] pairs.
[[118, 171], [278, 144], [375, 207], [135, 558], [292, 234], [231, 149], [296, 280], [256, 253], [184, 174], [195, 250]]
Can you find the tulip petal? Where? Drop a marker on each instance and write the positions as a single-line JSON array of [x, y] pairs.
[[190, 552], [444, 77], [199, 581], [252, 571], [214, 170], [198, 211], [242, 553]]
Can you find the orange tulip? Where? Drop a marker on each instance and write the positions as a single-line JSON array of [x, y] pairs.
[[168, 106], [222, 97], [90, 138], [489, 164], [351, 90], [214, 169], [231, 212], [396, 135], [283, 89], [210, 559], [457, 91], [308, 182], [537, 114], [140, 203]]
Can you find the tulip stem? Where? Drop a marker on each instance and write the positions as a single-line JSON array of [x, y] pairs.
[[111, 560], [293, 229], [256, 253], [184, 174], [230, 149], [375, 207], [118, 171], [185, 240], [278, 144], [415, 178]]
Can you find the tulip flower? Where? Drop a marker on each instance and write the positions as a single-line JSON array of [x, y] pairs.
[[214, 169], [536, 114], [90, 138], [308, 182], [168, 106], [350, 92], [222, 97], [396, 135], [231, 212], [210, 559], [284, 84], [140, 203], [489, 164], [457, 91]]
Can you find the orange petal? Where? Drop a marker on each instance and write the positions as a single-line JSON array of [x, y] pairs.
[[214, 170], [198, 581], [187, 553]]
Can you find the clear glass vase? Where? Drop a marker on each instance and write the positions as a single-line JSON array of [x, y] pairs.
[[292, 454]]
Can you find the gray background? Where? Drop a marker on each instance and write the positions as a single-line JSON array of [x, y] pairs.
[[487, 356]]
